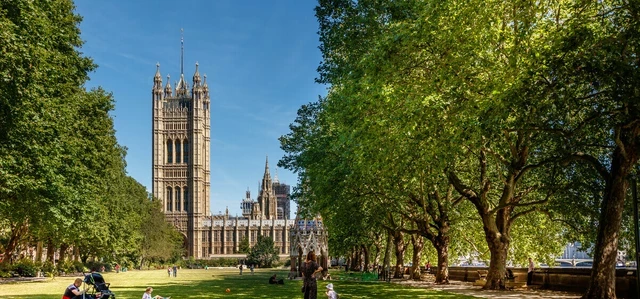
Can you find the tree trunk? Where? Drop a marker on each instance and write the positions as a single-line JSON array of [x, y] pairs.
[[63, 252], [39, 251], [386, 264], [442, 247], [17, 231], [602, 283], [354, 259], [376, 258], [51, 251], [76, 253], [359, 258], [418, 243], [365, 253], [398, 240], [498, 246]]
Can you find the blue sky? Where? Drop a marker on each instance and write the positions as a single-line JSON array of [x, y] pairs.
[[260, 58]]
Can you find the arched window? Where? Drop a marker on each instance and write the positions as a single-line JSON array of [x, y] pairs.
[[169, 151], [185, 200], [169, 199], [178, 201], [185, 151], [178, 155]]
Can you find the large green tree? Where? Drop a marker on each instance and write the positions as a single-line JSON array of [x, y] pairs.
[[453, 76], [42, 72], [591, 82], [263, 253], [63, 181], [160, 240]]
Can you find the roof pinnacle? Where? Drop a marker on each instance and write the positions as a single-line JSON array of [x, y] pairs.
[[196, 76]]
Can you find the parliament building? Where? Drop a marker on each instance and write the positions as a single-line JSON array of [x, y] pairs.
[[182, 176]]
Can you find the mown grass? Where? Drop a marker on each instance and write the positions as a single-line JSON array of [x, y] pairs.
[[212, 283]]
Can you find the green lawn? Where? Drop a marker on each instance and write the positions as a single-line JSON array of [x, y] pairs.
[[212, 283]]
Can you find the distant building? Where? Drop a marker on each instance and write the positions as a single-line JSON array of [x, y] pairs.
[[575, 251], [282, 191], [274, 189]]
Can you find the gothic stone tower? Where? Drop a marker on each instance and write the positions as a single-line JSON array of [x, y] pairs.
[[267, 200], [181, 139]]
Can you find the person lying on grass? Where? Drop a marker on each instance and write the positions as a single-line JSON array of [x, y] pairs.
[[274, 280]]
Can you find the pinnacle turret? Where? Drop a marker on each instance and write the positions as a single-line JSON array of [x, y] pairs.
[[168, 91], [181, 88], [157, 79], [196, 77], [205, 86]]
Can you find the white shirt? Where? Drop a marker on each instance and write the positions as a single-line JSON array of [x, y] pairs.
[[146, 296], [530, 266], [332, 295]]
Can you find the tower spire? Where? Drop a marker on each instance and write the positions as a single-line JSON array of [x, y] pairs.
[[181, 51], [266, 167]]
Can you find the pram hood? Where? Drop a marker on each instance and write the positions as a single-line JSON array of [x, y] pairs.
[[94, 279]]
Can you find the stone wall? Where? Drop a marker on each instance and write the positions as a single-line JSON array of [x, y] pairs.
[[560, 279]]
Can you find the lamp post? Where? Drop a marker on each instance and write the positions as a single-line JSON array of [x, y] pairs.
[[634, 195]]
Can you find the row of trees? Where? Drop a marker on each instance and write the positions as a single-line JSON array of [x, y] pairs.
[[63, 182], [505, 126]]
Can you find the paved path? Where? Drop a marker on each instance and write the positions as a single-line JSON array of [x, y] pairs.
[[467, 288]]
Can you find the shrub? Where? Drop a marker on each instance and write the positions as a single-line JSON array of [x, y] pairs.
[[5, 270], [48, 268], [26, 268]]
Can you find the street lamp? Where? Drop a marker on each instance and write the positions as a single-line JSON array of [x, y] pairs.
[[634, 195]]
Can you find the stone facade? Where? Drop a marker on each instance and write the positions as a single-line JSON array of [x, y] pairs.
[[181, 175], [181, 140]]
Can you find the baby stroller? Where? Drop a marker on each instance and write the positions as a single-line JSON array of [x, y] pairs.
[[100, 288]]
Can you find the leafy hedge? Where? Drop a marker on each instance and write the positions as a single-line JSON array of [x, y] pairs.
[[217, 262], [29, 268]]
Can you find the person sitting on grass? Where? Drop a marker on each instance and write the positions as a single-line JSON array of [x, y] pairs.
[[274, 280], [331, 294], [147, 295], [73, 291]]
